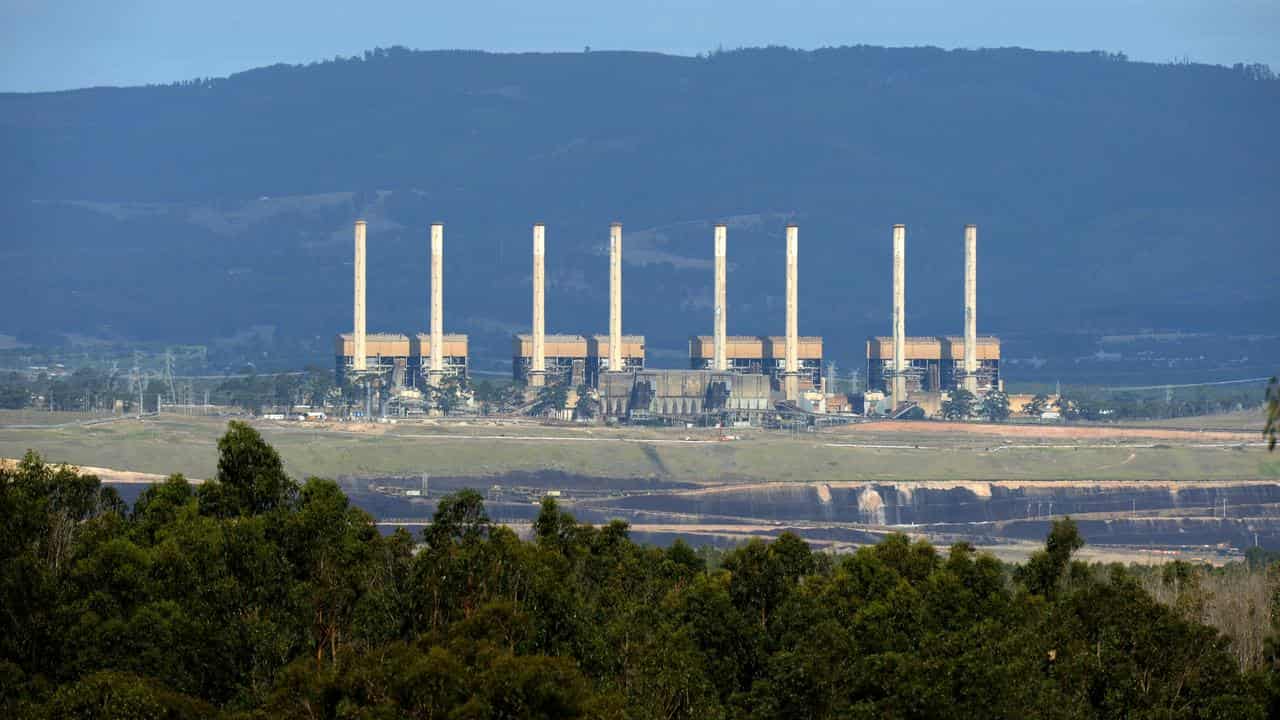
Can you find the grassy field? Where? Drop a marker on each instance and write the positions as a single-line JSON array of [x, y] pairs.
[[188, 445], [1251, 419], [44, 417]]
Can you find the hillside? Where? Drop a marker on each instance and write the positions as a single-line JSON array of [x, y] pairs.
[[1110, 195]]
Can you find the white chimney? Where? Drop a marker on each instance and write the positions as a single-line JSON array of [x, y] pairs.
[[720, 362], [437, 302], [971, 308], [791, 370], [358, 354], [899, 387], [538, 369], [615, 297]]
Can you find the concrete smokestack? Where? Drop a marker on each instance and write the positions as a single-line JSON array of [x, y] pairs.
[[615, 297], [971, 308], [791, 373], [720, 363], [538, 371], [899, 314], [357, 330], [437, 302]]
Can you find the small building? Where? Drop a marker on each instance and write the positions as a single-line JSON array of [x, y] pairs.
[[598, 355], [564, 357], [753, 354]]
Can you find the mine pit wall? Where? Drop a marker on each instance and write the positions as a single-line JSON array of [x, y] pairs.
[[918, 504], [1134, 532], [1154, 514]]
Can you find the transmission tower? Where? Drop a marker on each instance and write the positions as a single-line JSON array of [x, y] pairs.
[[168, 375]]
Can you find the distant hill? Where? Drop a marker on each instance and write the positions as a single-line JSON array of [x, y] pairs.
[[1110, 195]]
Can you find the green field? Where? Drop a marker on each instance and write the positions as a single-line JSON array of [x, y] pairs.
[[188, 445]]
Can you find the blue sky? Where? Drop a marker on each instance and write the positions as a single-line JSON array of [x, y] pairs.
[[57, 44]]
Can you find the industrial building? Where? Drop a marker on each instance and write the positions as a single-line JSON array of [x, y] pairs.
[[572, 359], [564, 358], [741, 376], [899, 365], [391, 361], [386, 353], [760, 355], [630, 355], [933, 364], [399, 358], [684, 395], [454, 356]]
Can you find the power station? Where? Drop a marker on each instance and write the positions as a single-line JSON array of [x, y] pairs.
[[918, 370], [729, 377]]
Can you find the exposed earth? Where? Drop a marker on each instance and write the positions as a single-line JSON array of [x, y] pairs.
[[1141, 493]]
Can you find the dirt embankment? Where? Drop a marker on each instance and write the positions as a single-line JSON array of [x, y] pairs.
[[110, 475]]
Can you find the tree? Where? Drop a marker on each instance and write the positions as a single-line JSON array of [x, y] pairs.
[[309, 611], [1068, 407], [508, 397], [588, 404], [14, 392], [550, 398], [1037, 406], [1044, 570], [448, 395], [486, 393], [460, 518], [122, 696], [995, 406], [959, 406], [251, 479]]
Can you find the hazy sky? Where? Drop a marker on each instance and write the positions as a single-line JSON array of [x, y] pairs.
[[58, 44]]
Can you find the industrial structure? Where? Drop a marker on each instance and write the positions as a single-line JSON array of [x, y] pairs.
[[933, 364], [900, 366], [761, 355], [647, 395], [538, 358], [729, 377], [384, 354], [537, 367], [401, 360], [603, 354], [564, 359], [386, 365]]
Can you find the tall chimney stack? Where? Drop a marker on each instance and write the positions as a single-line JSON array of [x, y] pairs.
[[791, 371], [899, 315], [538, 371], [357, 330], [615, 297], [437, 302], [971, 308], [720, 363]]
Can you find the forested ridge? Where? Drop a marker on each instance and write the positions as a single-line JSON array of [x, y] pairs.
[[1109, 194], [255, 596]]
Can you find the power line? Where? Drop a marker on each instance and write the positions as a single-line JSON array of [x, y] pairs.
[[1188, 385]]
